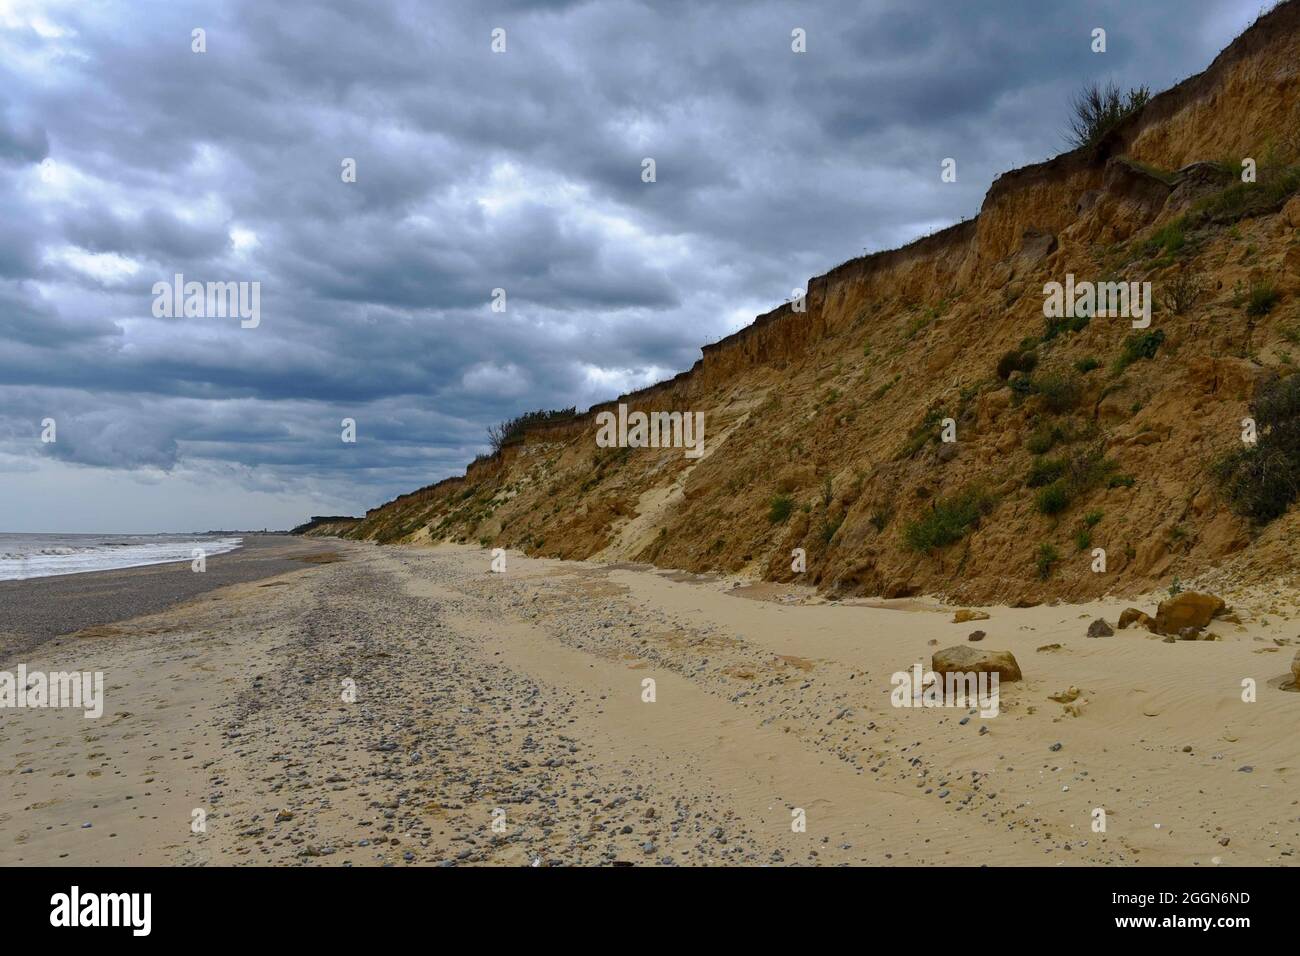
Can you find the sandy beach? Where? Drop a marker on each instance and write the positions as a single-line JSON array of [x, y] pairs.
[[407, 706]]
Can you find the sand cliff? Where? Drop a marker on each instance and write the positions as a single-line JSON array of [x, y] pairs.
[[824, 427]]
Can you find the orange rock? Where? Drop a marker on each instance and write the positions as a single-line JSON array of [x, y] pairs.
[[1189, 609]]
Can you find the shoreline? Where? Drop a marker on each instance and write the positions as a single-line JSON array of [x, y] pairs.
[[40, 609]]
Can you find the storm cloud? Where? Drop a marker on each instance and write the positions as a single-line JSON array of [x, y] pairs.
[[126, 158]]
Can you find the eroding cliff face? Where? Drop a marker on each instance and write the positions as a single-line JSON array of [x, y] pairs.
[[825, 428]]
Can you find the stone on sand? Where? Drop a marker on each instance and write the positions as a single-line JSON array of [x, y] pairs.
[[1099, 628], [1189, 609], [962, 659]]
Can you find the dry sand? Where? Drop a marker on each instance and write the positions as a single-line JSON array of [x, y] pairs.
[[517, 697]]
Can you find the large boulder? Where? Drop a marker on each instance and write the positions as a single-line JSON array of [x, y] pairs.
[[1189, 609], [964, 660], [1133, 616]]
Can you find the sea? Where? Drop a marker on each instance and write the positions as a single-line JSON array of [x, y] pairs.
[[42, 555]]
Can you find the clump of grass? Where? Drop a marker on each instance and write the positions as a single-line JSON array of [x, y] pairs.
[[1060, 393], [780, 508], [1096, 110], [1262, 480], [1046, 437], [1270, 192], [1083, 539], [829, 527], [881, 517], [1167, 240], [1053, 499], [1263, 296], [1056, 325], [1047, 557], [1044, 471], [1017, 360], [1139, 345], [949, 519], [1086, 365], [1182, 293], [1082, 473]]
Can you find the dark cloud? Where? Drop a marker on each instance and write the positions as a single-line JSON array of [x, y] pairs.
[[125, 158]]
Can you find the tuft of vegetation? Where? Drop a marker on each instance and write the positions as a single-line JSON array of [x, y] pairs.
[[1053, 499], [1273, 186], [1168, 240], [1060, 392], [511, 432], [1096, 110], [829, 527], [1047, 557], [1262, 480], [949, 519], [1044, 471], [1086, 365], [1017, 360], [1139, 345], [1082, 539], [1182, 293], [1081, 474], [1263, 296], [780, 508], [1056, 325]]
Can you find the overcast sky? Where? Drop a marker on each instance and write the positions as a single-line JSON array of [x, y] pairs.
[[126, 157]]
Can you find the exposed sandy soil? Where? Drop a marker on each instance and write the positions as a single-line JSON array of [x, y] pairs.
[[522, 692]]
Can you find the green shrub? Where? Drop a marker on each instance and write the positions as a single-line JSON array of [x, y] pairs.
[[1167, 240], [1139, 345], [1263, 296], [1262, 480], [1086, 365], [1060, 393], [1046, 437], [948, 520], [1274, 186], [1044, 471], [1047, 556], [1083, 539], [1055, 325], [1017, 360], [1053, 499], [1181, 293], [1096, 110], [829, 527], [780, 508]]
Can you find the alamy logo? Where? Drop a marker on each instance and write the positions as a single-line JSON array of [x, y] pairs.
[[212, 300], [80, 690], [103, 909], [1128, 300], [965, 689], [651, 430]]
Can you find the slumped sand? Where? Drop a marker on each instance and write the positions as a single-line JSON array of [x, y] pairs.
[[406, 706]]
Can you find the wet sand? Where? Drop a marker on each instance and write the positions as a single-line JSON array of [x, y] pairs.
[[35, 610], [405, 706]]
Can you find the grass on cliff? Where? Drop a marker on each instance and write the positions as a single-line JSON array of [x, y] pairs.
[[949, 519], [1096, 110], [1262, 480], [1065, 481]]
